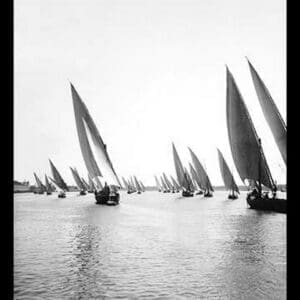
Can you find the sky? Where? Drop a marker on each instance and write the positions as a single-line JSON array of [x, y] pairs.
[[150, 72]]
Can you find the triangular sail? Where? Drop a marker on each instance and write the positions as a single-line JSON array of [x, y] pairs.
[[86, 185], [84, 123], [243, 139], [168, 183], [270, 111], [48, 186], [175, 184], [157, 184], [203, 177], [57, 177], [39, 183], [226, 174], [91, 183], [195, 177], [179, 169], [164, 185], [77, 179], [125, 183], [137, 184]]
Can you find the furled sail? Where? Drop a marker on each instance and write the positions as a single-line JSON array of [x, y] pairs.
[[243, 139], [57, 177], [270, 111], [179, 169], [226, 174], [203, 177], [77, 179], [85, 125]]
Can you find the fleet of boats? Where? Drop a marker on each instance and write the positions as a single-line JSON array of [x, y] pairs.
[[246, 149]]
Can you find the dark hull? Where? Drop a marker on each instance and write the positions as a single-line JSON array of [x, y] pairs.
[[232, 197], [199, 193], [90, 191], [187, 194], [110, 200], [208, 195], [130, 192], [277, 205], [62, 195], [82, 193], [49, 193]]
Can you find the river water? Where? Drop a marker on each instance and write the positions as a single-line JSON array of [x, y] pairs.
[[151, 246]]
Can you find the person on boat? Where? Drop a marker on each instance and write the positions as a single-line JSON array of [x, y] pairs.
[[105, 191]]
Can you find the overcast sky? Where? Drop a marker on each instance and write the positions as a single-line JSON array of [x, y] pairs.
[[150, 72]]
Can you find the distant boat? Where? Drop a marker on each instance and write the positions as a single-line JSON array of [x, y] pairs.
[[58, 180], [48, 186], [142, 186], [168, 183], [175, 184], [137, 185], [158, 186], [228, 177], [270, 111], [181, 175], [40, 187], [82, 189], [86, 129], [165, 188], [204, 179], [197, 180], [247, 152], [127, 186]]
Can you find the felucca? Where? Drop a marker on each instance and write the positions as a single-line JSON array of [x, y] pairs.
[[227, 177], [58, 180], [48, 186], [40, 187], [247, 152], [87, 130], [181, 175], [82, 189]]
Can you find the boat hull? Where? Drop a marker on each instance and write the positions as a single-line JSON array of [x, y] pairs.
[[110, 200], [82, 193], [232, 197], [208, 194], [199, 193], [49, 193], [277, 205], [187, 194], [62, 195]]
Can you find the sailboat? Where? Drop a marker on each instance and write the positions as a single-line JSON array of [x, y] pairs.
[[40, 187], [48, 186], [82, 189], [247, 151], [204, 179], [165, 188], [228, 177], [197, 180], [142, 186], [86, 185], [137, 185], [181, 175], [58, 180], [175, 184], [168, 183], [271, 112], [158, 186], [87, 130]]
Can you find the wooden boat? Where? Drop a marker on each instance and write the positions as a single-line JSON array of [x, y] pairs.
[[40, 187], [92, 188], [88, 135], [58, 181], [202, 176], [197, 180], [48, 186], [80, 185], [164, 185], [158, 186], [228, 177], [175, 184], [137, 185], [170, 187], [182, 176], [247, 152]]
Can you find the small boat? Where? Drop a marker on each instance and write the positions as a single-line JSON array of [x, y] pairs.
[[182, 176], [164, 185], [228, 177], [40, 187], [197, 180], [247, 152], [48, 186], [89, 136], [80, 185], [175, 184], [158, 186], [58, 181], [61, 194], [92, 188], [203, 179]]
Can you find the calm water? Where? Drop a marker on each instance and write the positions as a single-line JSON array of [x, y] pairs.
[[152, 246]]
